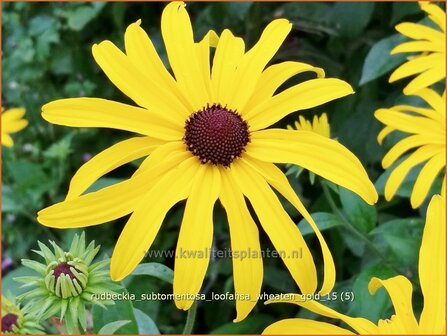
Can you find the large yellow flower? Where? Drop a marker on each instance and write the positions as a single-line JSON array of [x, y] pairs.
[[12, 122], [426, 127], [429, 64], [204, 138], [432, 280]]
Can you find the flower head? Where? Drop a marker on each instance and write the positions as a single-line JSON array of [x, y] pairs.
[[432, 279], [204, 139], [12, 122], [17, 320], [319, 125], [66, 282], [429, 43], [426, 129]]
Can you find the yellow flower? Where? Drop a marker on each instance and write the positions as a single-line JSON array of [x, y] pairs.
[[12, 122], [432, 280], [426, 127], [203, 132], [429, 65], [318, 125]]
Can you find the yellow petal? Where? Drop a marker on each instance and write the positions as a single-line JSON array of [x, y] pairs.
[[247, 258], [425, 179], [418, 31], [274, 76], [138, 86], [301, 326], [196, 235], [400, 172], [144, 224], [108, 203], [96, 112], [414, 66], [384, 133], [282, 231], [432, 268], [109, 159], [13, 114], [203, 55], [141, 51], [361, 325], [229, 52], [429, 77], [436, 14], [400, 291], [417, 46], [405, 145], [7, 140], [321, 155], [278, 180], [433, 99], [406, 122], [254, 61], [179, 42], [308, 94], [13, 126]]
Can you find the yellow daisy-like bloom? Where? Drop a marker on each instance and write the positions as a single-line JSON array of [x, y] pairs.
[[318, 125], [204, 138], [432, 279], [426, 127], [429, 65], [12, 122]]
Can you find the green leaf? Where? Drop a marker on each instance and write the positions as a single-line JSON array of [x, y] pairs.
[[112, 327], [352, 17], [362, 215], [403, 9], [102, 183], [379, 61], [121, 310], [253, 324], [9, 203], [364, 304], [81, 16], [400, 239], [324, 221], [146, 326], [156, 270]]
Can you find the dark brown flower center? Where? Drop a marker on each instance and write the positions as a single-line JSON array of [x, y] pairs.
[[216, 135], [8, 322], [63, 268]]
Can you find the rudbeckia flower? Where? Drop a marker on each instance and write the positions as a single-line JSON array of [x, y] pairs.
[[319, 125], [203, 133], [12, 122], [432, 280], [429, 63], [426, 129]]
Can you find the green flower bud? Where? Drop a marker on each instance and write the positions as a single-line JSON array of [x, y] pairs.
[[17, 320], [66, 282]]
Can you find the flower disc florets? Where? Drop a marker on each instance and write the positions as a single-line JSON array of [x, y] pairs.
[[67, 277], [18, 320], [216, 135], [8, 322]]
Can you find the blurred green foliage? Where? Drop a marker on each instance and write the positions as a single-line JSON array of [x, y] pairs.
[[47, 55]]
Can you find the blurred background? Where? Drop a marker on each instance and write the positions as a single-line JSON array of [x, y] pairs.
[[47, 55]]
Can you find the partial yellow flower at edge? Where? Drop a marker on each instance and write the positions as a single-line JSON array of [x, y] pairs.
[[432, 268], [426, 128], [204, 138], [319, 125], [12, 122], [429, 64]]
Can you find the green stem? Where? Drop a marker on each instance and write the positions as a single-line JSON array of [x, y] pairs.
[[351, 228], [190, 319]]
